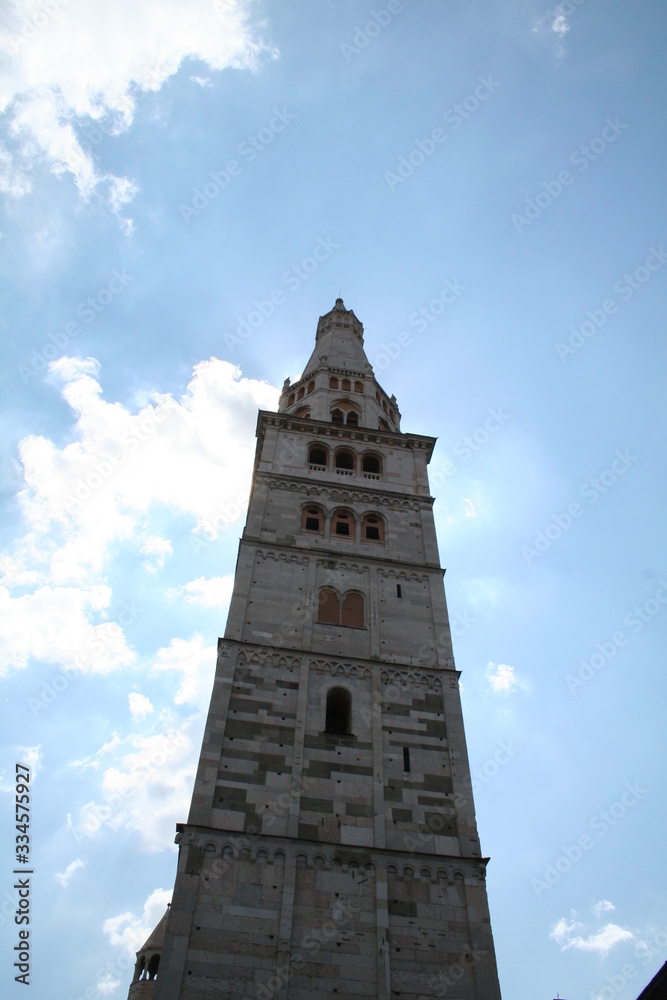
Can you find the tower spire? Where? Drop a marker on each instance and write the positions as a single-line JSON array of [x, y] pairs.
[[331, 845]]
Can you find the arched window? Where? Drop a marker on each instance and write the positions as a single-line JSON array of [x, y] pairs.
[[311, 386], [339, 712], [372, 528], [378, 397], [384, 405], [358, 386], [317, 457], [328, 610], [344, 462], [337, 416], [353, 418], [347, 386], [371, 466], [291, 399], [383, 425], [139, 968], [153, 967], [333, 382], [312, 519], [303, 412], [342, 524], [353, 611], [348, 612]]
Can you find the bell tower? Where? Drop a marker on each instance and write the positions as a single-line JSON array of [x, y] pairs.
[[331, 849]]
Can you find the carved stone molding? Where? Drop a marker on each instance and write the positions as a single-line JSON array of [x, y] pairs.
[[412, 678]]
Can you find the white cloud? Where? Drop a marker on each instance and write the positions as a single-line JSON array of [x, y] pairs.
[[604, 906], [140, 705], [65, 877], [148, 789], [559, 24], [565, 933], [147, 785], [211, 592], [65, 635], [502, 678], [555, 22], [196, 663], [73, 66], [158, 547], [107, 984], [470, 507], [128, 932], [32, 757], [93, 760], [81, 499]]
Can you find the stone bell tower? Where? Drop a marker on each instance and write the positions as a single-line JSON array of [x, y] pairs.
[[331, 849]]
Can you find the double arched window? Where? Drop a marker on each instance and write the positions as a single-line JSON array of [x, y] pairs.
[[347, 610], [344, 412]]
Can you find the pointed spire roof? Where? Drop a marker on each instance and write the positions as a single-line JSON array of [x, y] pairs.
[[339, 342], [155, 940]]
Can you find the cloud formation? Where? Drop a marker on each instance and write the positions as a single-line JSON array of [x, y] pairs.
[[74, 73], [128, 932], [83, 499], [502, 678], [567, 934], [64, 878]]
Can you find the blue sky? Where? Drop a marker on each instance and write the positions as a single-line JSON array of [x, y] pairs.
[[485, 184]]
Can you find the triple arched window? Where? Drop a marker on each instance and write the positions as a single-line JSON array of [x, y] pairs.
[[346, 610], [344, 461], [343, 524]]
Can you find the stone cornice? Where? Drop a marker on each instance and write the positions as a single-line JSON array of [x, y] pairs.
[[343, 559], [324, 428], [389, 669], [416, 863], [338, 489]]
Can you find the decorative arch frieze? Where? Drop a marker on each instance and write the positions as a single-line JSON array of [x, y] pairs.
[[411, 678], [261, 658]]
